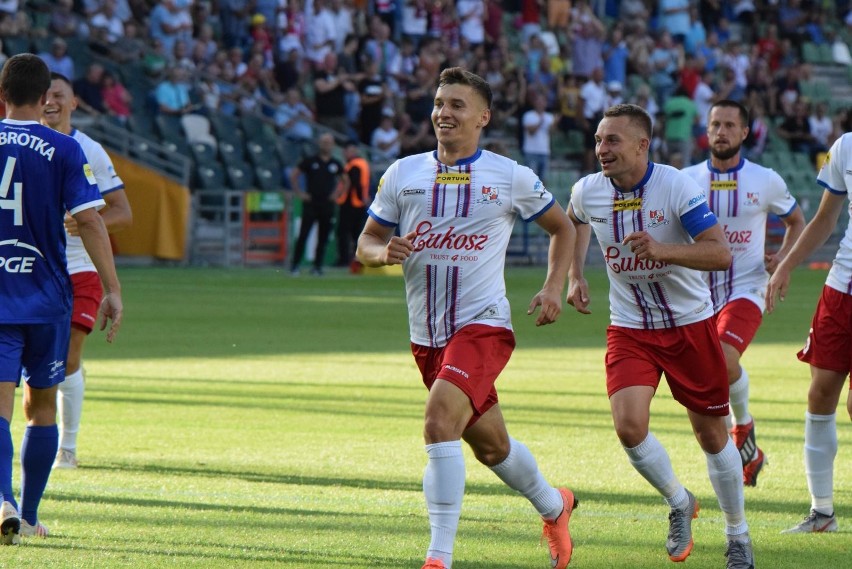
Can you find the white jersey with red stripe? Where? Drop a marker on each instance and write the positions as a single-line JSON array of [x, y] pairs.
[[671, 208], [836, 177], [463, 217], [741, 198], [107, 181]]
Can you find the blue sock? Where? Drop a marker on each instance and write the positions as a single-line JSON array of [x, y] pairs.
[[7, 451], [37, 454]]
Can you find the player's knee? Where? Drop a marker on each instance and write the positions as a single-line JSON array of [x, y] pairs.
[[630, 432], [491, 454]]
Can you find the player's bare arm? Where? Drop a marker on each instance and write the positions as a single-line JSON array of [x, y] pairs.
[[378, 246], [560, 253], [96, 240], [117, 215], [578, 287], [709, 252], [794, 224], [815, 234]]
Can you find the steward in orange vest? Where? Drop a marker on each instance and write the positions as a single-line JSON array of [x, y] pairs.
[[353, 202]]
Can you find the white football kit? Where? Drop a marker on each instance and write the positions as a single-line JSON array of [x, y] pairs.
[[741, 198], [463, 217], [107, 181], [836, 177], [672, 209]]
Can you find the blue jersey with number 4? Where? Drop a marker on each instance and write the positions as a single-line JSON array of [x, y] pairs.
[[43, 174]]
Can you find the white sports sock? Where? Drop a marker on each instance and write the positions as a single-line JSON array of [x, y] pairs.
[[726, 475], [739, 399], [70, 407], [443, 486], [520, 472], [820, 450], [650, 459]]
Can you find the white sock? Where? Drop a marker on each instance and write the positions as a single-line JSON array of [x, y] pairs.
[[70, 406], [726, 476], [443, 486], [520, 472], [650, 459], [739, 399], [820, 450]]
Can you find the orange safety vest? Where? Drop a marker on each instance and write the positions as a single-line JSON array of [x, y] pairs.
[[355, 198]]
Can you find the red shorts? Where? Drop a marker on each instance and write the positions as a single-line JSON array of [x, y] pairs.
[[737, 323], [88, 294], [829, 343], [690, 356], [471, 361]]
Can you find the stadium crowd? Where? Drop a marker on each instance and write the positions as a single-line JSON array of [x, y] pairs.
[[366, 68]]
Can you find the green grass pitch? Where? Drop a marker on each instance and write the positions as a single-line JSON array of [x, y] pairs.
[[248, 419]]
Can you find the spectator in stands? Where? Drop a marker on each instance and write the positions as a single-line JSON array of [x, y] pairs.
[[374, 95], [471, 15], [294, 117], [90, 99], [697, 34], [530, 19], [386, 142], [787, 90], [58, 60], [493, 21], [821, 127], [319, 31], [129, 47], [289, 70], [569, 103], [614, 94], [728, 87], [169, 23], [415, 20], [704, 96], [588, 34], [173, 96], [117, 99], [681, 121], [745, 13], [791, 21], [65, 22], [419, 97], [107, 19], [758, 133], [664, 62], [593, 103], [538, 124], [796, 129], [330, 87], [674, 18], [383, 50], [233, 15], [415, 137], [615, 56]]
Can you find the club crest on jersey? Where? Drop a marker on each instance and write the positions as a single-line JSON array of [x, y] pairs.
[[490, 195], [451, 178], [656, 218], [752, 199], [539, 188]]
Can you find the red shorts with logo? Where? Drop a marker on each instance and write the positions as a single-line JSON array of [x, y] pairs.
[[471, 361], [829, 343], [737, 323], [690, 356], [88, 293]]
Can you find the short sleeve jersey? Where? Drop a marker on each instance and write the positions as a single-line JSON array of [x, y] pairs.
[[741, 198], [672, 208], [107, 182], [462, 216], [44, 174], [836, 177]]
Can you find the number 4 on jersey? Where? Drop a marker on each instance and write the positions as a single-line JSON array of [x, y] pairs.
[[14, 203]]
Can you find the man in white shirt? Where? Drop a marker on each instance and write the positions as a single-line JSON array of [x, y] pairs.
[[828, 349], [538, 124], [84, 277], [454, 208], [742, 194], [657, 234]]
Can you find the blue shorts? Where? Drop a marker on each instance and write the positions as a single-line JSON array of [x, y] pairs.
[[36, 350]]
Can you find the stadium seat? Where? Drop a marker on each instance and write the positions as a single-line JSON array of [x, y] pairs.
[[196, 128], [141, 124], [168, 127], [262, 155], [230, 153], [211, 176], [810, 53], [268, 179], [203, 153], [225, 127], [13, 45], [240, 177]]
